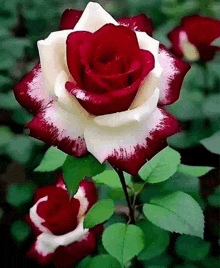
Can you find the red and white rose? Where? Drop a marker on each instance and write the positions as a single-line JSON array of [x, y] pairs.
[[195, 38], [100, 87], [57, 222]]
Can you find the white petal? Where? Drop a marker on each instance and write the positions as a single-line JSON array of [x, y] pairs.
[[151, 82], [36, 219], [48, 243], [52, 53], [103, 141], [93, 18], [129, 116], [189, 50], [67, 101], [81, 196]]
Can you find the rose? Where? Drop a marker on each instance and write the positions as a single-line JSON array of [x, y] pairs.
[[57, 222], [195, 38], [100, 88]]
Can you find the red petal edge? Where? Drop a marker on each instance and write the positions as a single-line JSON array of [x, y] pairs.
[[29, 92], [174, 71], [69, 18], [155, 143], [138, 23], [42, 130]]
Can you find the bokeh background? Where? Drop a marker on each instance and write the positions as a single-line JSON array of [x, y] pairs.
[[22, 24]]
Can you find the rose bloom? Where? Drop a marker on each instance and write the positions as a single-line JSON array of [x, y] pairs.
[[57, 222], [100, 87], [195, 38]]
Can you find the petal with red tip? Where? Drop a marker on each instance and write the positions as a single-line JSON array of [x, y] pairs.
[[174, 37], [30, 91], [87, 194], [139, 22], [66, 256], [174, 71], [57, 127]]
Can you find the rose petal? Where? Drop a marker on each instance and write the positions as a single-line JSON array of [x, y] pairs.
[[174, 71], [67, 256], [139, 22], [174, 37], [57, 127], [36, 231], [151, 82], [55, 209], [93, 18], [52, 53], [42, 258], [36, 219], [73, 42], [129, 146], [87, 194], [69, 18], [69, 103], [198, 29], [47, 243], [111, 102], [30, 91], [130, 116]]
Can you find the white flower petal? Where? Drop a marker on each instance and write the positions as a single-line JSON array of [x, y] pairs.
[[189, 50], [104, 141], [67, 101], [48, 243], [151, 82], [52, 53], [81, 196], [36, 219], [93, 18], [129, 116]]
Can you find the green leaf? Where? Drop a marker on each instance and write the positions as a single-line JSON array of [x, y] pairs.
[[192, 248], [20, 148], [123, 241], [176, 212], [181, 182], [20, 193], [196, 171], [20, 230], [98, 213], [75, 169], [84, 263], [214, 199], [211, 105], [7, 101], [104, 261], [5, 135], [180, 140], [110, 178], [157, 240], [53, 159], [161, 167], [212, 143]]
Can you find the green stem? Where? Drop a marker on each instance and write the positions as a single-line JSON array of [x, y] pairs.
[[124, 186]]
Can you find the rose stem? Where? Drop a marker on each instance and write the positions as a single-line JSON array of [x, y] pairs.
[[124, 186]]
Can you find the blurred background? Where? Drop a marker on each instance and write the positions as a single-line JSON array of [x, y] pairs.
[[22, 24]]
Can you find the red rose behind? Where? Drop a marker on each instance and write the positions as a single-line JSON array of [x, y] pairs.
[[199, 32]]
